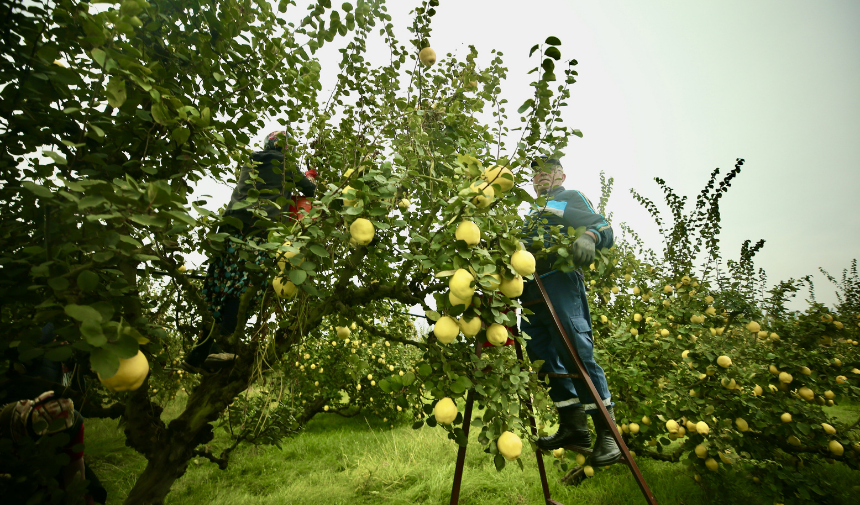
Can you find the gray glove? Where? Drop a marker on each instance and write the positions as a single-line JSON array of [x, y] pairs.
[[583, 250]]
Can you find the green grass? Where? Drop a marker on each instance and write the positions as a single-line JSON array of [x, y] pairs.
[[362, 461]]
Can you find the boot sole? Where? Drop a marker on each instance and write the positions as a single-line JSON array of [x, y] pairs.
[[582, 450], [572, 447], [607, 463]]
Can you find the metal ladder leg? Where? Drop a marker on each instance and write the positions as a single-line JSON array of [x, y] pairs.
[[646, 491], [543, 480], [461, 451]]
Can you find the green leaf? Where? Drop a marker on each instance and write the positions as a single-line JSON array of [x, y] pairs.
[[218, 77], [298, 276], [99, 56], [116, 94], [105, 309], [318, 250], [181, 134], [40, 191], [182, 216], [28, 354], [104, 362], [553, 41], [98, 131], [125, 346], [130, 240], [553, 53], [59, 283], [533, 49], [141, 340], [160, 114], [548, 65], [499, 461], [59, 353], [59, 160], [385, 386], [432, 315], [82, 313], [526, 105], [145, 220], [88, 281], [90, 201], [92, 332]]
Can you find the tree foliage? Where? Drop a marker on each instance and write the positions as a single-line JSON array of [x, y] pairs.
[[113, 111]]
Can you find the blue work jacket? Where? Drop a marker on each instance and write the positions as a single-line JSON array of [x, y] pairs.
[[564, 208]]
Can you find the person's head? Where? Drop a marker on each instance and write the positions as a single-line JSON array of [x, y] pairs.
[[547, 177], [278, 140]]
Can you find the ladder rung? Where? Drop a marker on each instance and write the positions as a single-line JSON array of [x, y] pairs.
[[587, 452], [582, 450], [560, 375]]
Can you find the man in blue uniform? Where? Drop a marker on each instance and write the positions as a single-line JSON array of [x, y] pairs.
[[566, 290]]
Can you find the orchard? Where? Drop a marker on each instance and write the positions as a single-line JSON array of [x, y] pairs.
[[114, 111]]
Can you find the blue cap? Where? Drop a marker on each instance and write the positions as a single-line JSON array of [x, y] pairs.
[[547, 161]]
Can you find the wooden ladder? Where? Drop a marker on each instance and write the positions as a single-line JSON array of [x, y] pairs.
[[470, 398]]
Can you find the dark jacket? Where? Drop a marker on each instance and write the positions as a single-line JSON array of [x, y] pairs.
[[274, 180], [565, 208]]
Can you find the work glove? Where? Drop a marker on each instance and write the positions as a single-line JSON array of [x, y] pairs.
[[583, 250]]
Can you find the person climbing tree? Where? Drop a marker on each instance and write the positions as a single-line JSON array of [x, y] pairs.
[[272, 173]]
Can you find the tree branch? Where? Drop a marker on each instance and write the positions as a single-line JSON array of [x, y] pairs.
[[207, 453], [189, 291]]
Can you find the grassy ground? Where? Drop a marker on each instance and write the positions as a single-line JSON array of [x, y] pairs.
[[362, 461]]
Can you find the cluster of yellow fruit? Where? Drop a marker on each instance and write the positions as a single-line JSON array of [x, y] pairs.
[[588, 470], [484, 188], [803, 392], [462, 285], [509, 444], [283, 287], [361, 232]]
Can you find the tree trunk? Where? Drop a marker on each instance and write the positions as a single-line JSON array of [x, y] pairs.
[[169, 448], [156, 480]]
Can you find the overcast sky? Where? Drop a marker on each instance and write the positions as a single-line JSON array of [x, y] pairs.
[[674, 89]]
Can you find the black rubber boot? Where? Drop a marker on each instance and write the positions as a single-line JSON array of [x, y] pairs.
[[606, 451], [572, 430]]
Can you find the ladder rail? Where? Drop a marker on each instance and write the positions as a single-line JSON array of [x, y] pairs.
[[461, 451], [543, 481], [470, 398], [649, 496]]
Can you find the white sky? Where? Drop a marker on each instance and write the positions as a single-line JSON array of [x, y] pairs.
[[674, 89]]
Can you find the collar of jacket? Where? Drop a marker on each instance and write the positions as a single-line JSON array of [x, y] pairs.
[[552, 192]]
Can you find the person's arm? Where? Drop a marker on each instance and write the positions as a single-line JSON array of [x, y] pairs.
[[580, 212], [307, 184]]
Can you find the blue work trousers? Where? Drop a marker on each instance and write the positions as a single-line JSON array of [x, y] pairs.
[[567, 294]]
